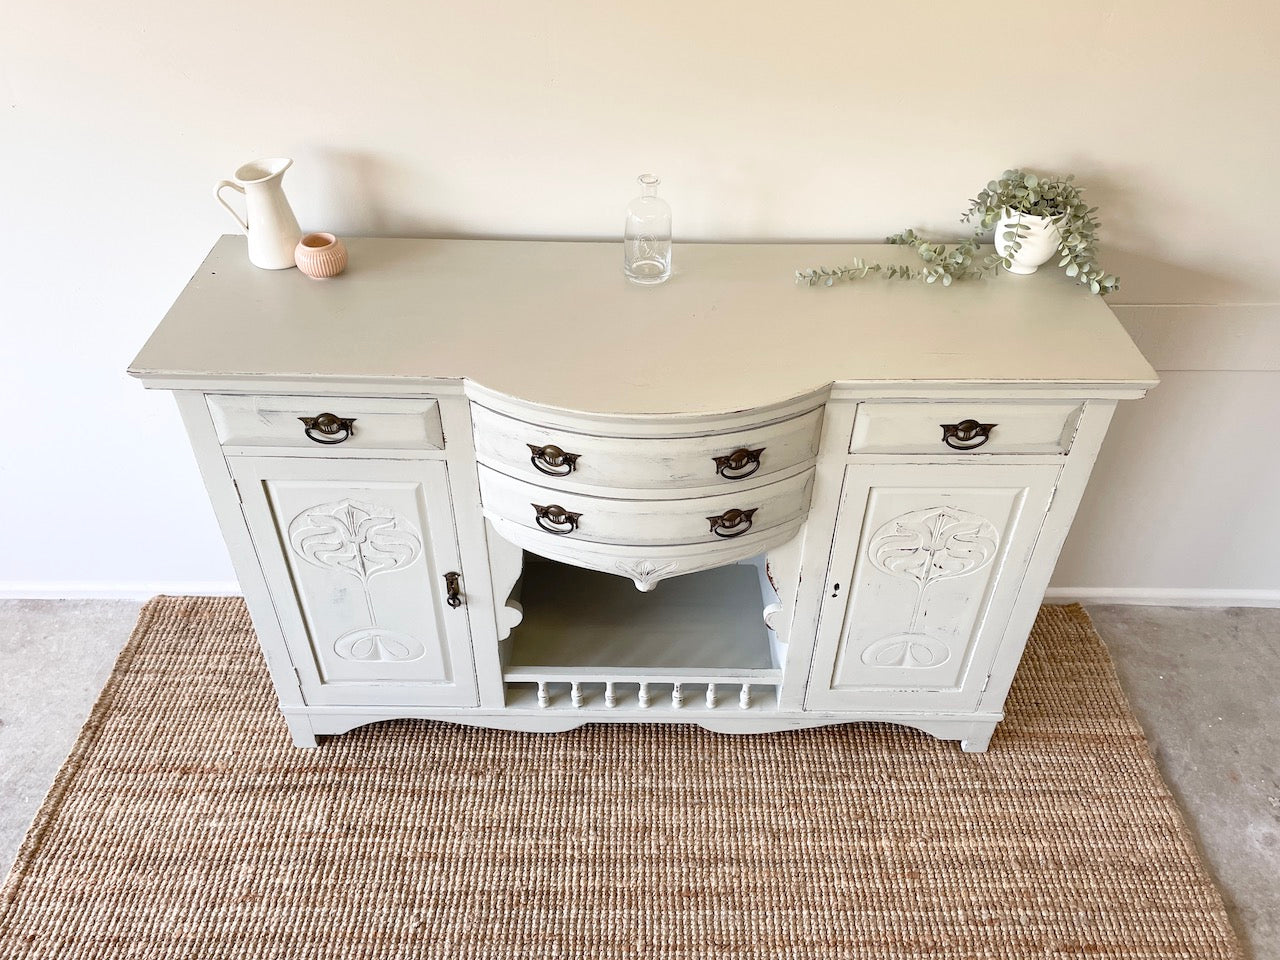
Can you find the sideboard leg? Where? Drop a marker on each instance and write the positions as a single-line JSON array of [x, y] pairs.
[[979, 737], [300, 729]]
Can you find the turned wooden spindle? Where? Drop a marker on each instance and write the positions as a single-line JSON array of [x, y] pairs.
[[575, 693], [711, 696], [744, 698], [543, 698], [644, 694], [610, 697], [677, 696]]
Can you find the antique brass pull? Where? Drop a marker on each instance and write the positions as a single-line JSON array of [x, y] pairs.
[[453, 588], [555, 518], [551, 460], [732, 523], [740, 464], [329, 426], [967, 434]]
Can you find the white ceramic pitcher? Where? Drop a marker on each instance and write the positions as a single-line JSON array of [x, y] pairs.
[[268, 221]]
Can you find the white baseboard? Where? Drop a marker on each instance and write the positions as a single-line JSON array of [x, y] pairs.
[[1157, 597], [76, 590]]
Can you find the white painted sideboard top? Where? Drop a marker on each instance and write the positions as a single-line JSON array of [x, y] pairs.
[[730, 331]]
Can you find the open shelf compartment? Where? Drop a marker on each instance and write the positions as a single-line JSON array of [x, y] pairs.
[[591, 640]]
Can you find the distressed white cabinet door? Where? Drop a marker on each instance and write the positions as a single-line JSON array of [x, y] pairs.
[[926, 563], [356, 554]]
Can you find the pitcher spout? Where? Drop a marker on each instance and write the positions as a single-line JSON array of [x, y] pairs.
[[259, 171]]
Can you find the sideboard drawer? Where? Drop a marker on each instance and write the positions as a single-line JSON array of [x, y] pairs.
[[565, 459], [320, 424], [562, 515], [959, 429]]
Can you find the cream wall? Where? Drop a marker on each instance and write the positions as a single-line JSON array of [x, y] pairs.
[[801, 120]]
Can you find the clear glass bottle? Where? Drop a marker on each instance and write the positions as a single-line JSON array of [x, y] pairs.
[[646, 241]]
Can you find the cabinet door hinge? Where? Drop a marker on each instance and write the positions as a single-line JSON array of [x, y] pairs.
[[236, 483], [1053, 495], [985, 683]]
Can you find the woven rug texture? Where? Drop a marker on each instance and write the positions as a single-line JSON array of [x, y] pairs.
[[184, 824]]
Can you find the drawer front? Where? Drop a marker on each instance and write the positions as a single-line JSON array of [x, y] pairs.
[[568, 460], [354, 425], [964, 429], [565, 515]]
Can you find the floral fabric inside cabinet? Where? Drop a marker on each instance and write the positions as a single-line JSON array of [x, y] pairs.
[[561, 498]]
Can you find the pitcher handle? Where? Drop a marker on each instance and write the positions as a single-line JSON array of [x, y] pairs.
[[217, 193]]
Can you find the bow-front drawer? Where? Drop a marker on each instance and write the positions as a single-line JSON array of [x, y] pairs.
[[569, 515], [334, 426], [959, 428], [571, 460]]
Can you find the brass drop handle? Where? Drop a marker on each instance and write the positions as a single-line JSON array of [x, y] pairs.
[[551, 460], [732, 523], [453, 589], [740, 464], [554, 518], [326, 427], [967, 434]]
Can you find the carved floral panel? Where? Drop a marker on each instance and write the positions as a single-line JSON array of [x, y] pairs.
[[926, 547], [361, 540]]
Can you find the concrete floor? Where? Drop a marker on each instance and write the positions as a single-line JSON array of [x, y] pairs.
[[1201, 681]]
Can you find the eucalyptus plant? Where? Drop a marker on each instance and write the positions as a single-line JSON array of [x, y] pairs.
[[1017, 192]]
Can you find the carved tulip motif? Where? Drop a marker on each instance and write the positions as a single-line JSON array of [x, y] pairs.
[[362, 540], [934, 544], [927, 546]]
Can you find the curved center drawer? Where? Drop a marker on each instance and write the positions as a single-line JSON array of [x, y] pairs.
[[567, 459], [568, 515]]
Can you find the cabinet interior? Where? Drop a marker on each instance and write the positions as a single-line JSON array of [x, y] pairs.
[[594, 637]]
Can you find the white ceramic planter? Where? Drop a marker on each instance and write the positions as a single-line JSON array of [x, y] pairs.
[[1039, 243]]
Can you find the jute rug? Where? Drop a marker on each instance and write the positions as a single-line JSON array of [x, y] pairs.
[[185, 825]]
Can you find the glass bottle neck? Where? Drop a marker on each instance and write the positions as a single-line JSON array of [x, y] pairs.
[[648, 185]]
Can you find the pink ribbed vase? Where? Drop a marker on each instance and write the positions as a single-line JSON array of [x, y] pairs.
[[320, 256]]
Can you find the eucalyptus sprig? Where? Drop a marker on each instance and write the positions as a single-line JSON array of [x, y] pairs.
[[1018, 193], [939, 264]]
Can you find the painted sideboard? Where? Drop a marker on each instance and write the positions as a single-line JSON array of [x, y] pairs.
[[491, 482]]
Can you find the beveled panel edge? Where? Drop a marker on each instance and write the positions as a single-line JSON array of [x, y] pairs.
[[226, 409], [1066, 433]]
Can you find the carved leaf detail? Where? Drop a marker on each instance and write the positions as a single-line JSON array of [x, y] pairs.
[[371, 643], [934, 544], [645, 574], [907, 650], [362, 539], [646, 569]]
